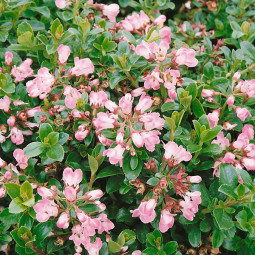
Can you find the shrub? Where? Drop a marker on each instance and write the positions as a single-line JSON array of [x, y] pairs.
[[124, 132]]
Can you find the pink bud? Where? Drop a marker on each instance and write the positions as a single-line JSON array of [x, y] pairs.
[[63, 221], [242, 113], [231, 100], [2, 163], [236, 76], [46, 193], [93, 195], [70, 194], [11, 121], [207, 93], [63, 54], [2, 191], [8, 58], [194, 179]]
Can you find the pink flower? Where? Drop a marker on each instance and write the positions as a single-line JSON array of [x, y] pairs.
[[111, 11], [111, 106], [175, 154], [82, 67], [151, 121], [98, 99], [94, 248], [186, 56], [236, 76], [46, 193], [2, 163], [8, 56], [249, 131], [61, 4], [93, 195], [231, 100], [137, 92], [2, 191], [63, 220], [70, 194], [63, 53], [16, 136], [207, 93], [143, 49], [159, 21], [249, 163], [105, 120], [249, 150], [166, 220], [228, 126], [5, 103], [137, 139], [221, 141], [229, 158], [135, 21], [31, 112], [23, 71], [241, 142], [136, 252], [82, 132], [41, 85], [165, 34], [150, 139], [145, 102], [213, 118], [78, 235], [247, 87], [153, 80], [194, 179], [115, 155], [72, 95], [11, 121], [190, 204], [242, 113], [45, 209], [125, 103], [170, 78], [22, 160], [146, 211], [105, 225], [72, 178]]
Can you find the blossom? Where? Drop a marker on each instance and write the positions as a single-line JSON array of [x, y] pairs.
[[2, 191], [105, 120], [150, 139], [249, 163], [82, 67], [230, 100], [5, 103], [2, 163], [94, 248], [145, 102], [135, 21], [45, 209], [221, 141], [159, 21], [98, 99], [8, 56], [194, 179], [111, 11], [23, 71], [115, 155], [72, 178], [249, 131], [41, 85], [61, 4], [72, 95], [186, 56], [16, 136], [190, 204], [241, 142], [63, 220], [82, 132], [11, 121], [111, 106], [64, 52], [93, 195], [70, 194], [151, 121], [146, 211], [22, 160], [136, 252], [46, 193], [166, 220], [175, 154], [213, 118], [105, 224], [207, 93], [125, 103], [153, 80], [165, 34], [143, 49], [170, 78], [242, 113]]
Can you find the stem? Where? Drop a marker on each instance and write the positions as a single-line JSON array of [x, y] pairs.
[[132, 80]]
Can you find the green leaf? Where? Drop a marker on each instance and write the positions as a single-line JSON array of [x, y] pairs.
[[130, 37], [130, 173], [129, 236], [44, 10], [219, 84], [217, 238], [197, 108], [53, 138], [248, 50], [44, 130], [170, 247], [192, 148], [34, 149], [56, 152], [205, 226], [56, 29], [114, 80], [16, 206], [12, 189], [113, 246], [208, 135], [153, 181], [192, 88], [228, 175], [212, 149], [26, 221], [26, 39], [6, 86], [134, 162], [42, 230], [223, 219], [26, 191], [227, 190], [90, 208], [63, 138], [247, 180], [109, 171], [171, 106], [194, 235], [208, 70], [93, 164], [124, 215]]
